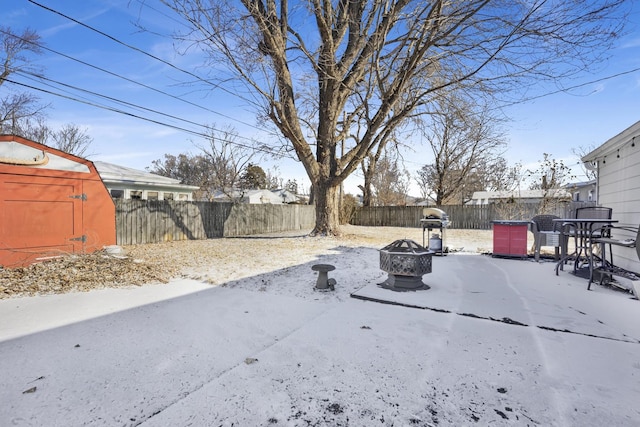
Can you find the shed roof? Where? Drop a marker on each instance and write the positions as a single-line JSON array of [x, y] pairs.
[[16, 150]]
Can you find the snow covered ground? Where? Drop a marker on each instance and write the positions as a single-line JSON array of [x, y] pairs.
[[493, 342]]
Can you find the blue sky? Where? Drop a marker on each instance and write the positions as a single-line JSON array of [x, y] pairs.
[[556, 124]]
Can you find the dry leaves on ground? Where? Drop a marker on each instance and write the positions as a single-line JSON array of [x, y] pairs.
[[214, 261], [75, 273]]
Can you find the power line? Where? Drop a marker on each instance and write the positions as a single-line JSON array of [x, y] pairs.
[[147, 119], [116, 40], [598, 80], [110, 37], [159, 12], [155, 58], [42, 46], [87, 102], [119, 101], [104, 107]]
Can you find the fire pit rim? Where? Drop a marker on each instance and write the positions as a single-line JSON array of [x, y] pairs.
[[411, 247]]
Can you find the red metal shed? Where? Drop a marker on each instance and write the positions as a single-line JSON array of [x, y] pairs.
[[51, 203]]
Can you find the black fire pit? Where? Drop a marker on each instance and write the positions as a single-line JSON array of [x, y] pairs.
[[406, 262]]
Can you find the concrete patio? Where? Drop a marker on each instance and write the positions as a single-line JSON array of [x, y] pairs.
[[494, 341]]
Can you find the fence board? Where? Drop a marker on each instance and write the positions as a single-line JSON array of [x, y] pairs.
[[143, 221], [471, 217], [152, 221]]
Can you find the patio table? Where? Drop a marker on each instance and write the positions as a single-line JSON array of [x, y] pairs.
[[583, 231]]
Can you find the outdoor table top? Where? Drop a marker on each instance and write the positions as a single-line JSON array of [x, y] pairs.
[[586, 220]]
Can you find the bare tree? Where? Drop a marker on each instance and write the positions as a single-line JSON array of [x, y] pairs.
[[463, 142], [227, 158], [219, 166], [274, 179], [390, 181], [21, 114], [497, 175], [190, 169], [580, 152], [72, 139], [282, 51], [362, 110], [18, 109], [33, 127], [369, 166], [550, 176], [423, 179]]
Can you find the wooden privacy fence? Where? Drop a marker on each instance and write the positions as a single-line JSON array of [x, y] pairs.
[[470, 217], [153, 221]]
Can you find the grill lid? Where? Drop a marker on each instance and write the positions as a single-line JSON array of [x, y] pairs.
[[434, 218], [434, 213]]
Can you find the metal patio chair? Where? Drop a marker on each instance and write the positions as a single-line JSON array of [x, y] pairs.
[[545, 233], [597, 212], [569, 231]]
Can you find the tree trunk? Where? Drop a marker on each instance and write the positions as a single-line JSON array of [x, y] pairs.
[[367, 196], [366, 193], [327, 212], [368, 169]]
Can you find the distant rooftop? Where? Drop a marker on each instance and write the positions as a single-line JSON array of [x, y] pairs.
[[111, 172]]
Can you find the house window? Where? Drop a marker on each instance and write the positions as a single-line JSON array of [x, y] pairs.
[[590, 195], [183, 197], [136, 195], [576, 196], [117, 194], [152, 195], [168, 196]]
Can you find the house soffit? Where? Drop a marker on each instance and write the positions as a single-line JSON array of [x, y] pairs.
[[615, 143]]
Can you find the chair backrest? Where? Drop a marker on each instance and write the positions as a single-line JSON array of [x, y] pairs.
[[596, 212], [545, 222]]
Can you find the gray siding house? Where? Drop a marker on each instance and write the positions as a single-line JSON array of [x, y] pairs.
[[586, 191], [617, 163]]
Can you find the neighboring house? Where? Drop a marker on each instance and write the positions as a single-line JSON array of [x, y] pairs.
[[522, 196], [286, 196], [248, 196], [583, 191], [617, 163], [273, 197], [127, 183]]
